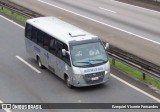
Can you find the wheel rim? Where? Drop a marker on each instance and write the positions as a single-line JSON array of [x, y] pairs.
[[39, 63], [68, 82]]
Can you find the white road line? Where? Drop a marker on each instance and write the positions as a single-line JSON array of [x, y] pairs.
[[19, 56], [135, 6], [107, 10], [28, 64], [7, 110], [141, 91], [99, 22], [11, 21]]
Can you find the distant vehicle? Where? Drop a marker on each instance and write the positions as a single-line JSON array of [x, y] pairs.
[[74, 55]]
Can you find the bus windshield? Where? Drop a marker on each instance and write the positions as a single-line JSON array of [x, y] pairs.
[[88, 54]]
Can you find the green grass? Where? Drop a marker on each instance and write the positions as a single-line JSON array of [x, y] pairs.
[[13, 14], [135, 73], [152, 81]]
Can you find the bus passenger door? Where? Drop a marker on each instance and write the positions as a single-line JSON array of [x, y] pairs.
[[60, 65], [52, 58], [52, 63], [46, 46]]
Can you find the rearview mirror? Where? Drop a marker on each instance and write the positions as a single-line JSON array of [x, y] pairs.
[[107, 46], [64, 52]]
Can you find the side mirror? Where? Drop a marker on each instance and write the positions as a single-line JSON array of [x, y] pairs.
[[64, 52], [107, 46]]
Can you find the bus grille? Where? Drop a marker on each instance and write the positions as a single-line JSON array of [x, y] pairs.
[[94, 77]]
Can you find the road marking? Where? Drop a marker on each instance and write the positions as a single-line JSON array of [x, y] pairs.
[[19, 56], [99, 22], [11, 21], [107, 10], [134, 87], [135, 6], [7, 110], [28, 64]]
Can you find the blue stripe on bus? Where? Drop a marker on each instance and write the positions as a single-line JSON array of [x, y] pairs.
[[37, 49]]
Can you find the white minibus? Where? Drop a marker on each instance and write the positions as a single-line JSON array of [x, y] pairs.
[[76, 56]]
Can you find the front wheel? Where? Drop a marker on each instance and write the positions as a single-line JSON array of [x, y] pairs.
[[67, 79], [39, 63]]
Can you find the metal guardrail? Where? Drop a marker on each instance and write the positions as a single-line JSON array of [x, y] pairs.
[[144, 66], [19, 9]]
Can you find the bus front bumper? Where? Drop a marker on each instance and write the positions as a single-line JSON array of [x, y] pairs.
[[83, 83]]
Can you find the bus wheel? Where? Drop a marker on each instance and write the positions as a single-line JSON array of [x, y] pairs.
[[39, 63], [67, 82]]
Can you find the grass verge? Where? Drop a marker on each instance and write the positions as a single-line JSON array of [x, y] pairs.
[[13, 14], [135, 73]]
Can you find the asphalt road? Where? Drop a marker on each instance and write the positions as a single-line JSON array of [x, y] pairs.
[[140, 22], [130, 28], [20, 83]]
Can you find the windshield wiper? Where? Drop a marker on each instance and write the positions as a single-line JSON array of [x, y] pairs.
[[87, 62], [98, 60]]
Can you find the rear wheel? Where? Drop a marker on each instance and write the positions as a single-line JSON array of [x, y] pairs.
[[39, 63], [67, 79]]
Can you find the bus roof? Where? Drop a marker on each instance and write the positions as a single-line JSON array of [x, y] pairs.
[[59, 29]]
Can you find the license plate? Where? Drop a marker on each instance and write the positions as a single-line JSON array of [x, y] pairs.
[[94, 78]]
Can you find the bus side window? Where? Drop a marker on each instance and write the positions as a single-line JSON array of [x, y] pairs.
[[59, 47], [46, 41], [28, 31], [34, 34], [52, 46], [67, 57], [40, 38]]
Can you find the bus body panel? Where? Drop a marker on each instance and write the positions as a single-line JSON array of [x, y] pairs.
[[81, 73], [50, 61], [59, 67]]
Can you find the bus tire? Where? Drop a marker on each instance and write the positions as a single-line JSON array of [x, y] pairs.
[[39, 63], [67, 82]]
